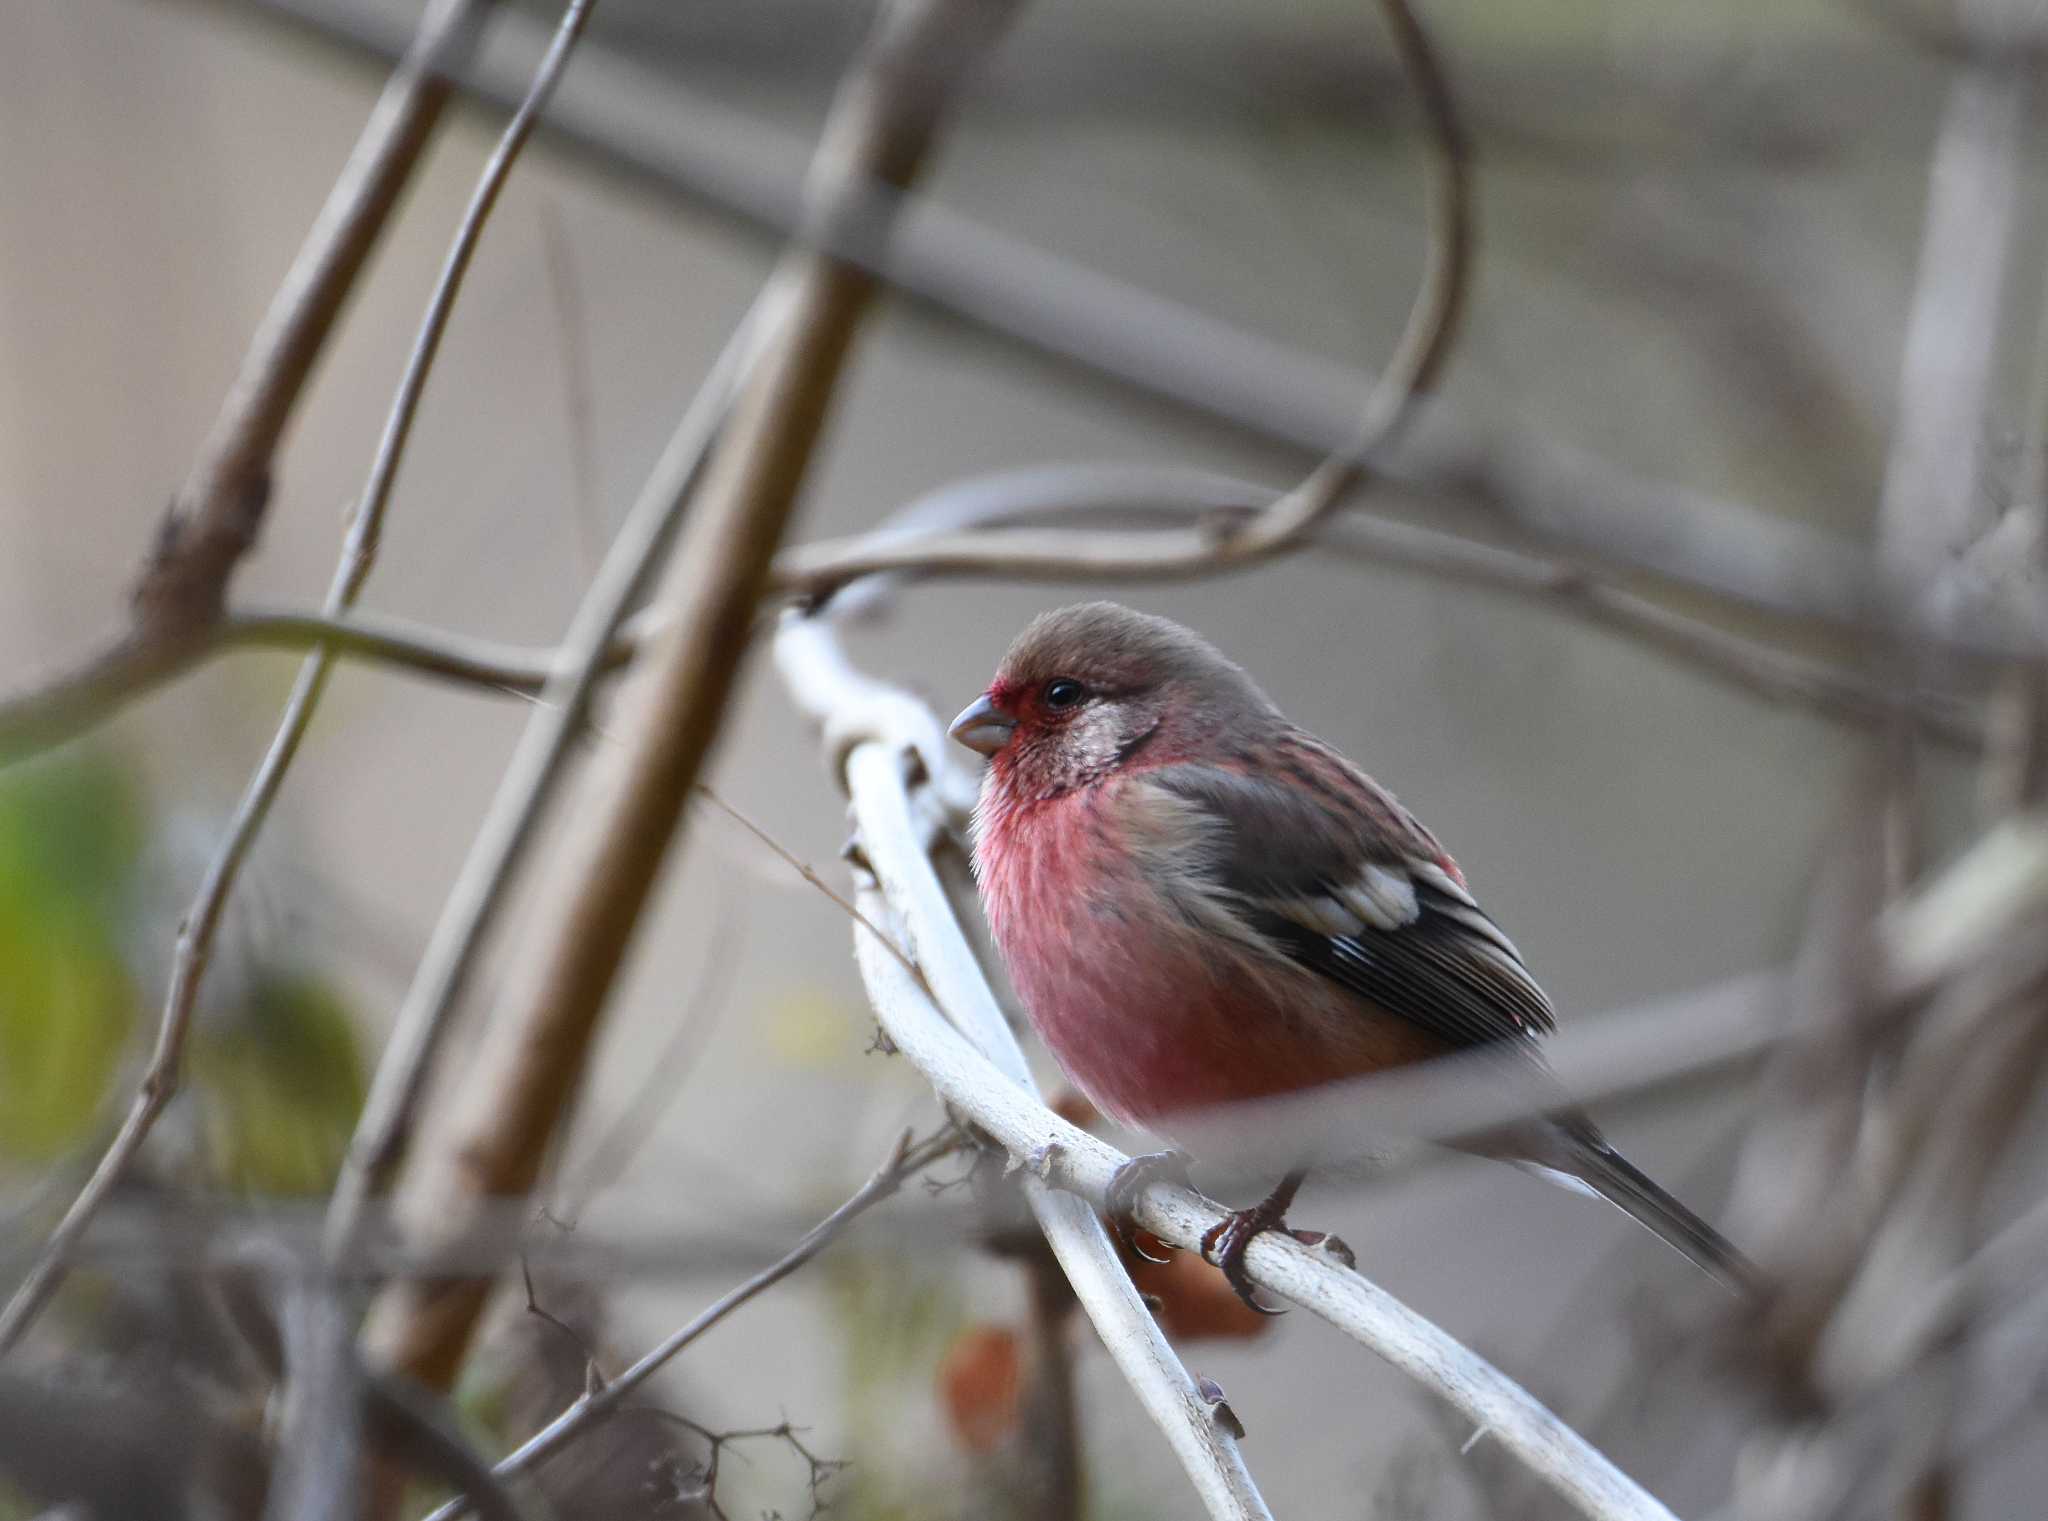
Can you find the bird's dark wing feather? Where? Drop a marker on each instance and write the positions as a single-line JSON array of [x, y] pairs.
[[1331, 872]]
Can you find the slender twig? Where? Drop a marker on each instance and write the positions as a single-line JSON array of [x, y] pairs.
[[665, 1073], [706, 1489], [537, 763], [882, 121], [810, 874], [573, 343], [66, 706], [1555, 491], [215, 518], [1424, 346], [331, 1401], [945, 532], [216, 521], [905, 1160]]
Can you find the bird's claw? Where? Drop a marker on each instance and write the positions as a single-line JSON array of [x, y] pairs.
[[1225, 1243], [1132, 1179]]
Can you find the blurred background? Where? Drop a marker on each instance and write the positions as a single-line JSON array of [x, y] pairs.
[[1698, 232]]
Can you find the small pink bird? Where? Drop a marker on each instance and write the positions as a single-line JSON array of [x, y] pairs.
[[1201, 903]]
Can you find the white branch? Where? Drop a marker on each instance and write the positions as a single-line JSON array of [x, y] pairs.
[[890, 751], [894, 840]]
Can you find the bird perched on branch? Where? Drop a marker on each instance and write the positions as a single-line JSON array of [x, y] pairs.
[[1200, 903]]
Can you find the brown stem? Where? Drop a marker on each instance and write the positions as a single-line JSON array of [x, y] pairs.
[[213, 523], [213, 520], [881, 126]]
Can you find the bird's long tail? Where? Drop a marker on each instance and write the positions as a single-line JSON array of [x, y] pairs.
[[1589, 1158]]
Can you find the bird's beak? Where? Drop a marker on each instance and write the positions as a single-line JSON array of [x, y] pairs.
[[981, 727]]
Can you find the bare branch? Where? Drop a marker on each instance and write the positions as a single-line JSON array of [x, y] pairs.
[[1918, 1112], [937, 534], [905, 1160], [537, 763], [223, 502], [572, 340], [332, 1403], [217, 513], [1552, 490], [1425, 344], [881, 125], [47, 715]]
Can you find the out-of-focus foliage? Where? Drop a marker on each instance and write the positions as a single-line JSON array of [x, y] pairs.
[[70, 834], [281, 1084], [276, 1072]]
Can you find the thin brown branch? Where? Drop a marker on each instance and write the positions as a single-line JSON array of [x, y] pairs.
[[958, 530], [1425, 344], [242, 444], [1542, 486], [215, 518], [905, 1160], [881, 125], [71, 703], [537, 765], [810, 874]]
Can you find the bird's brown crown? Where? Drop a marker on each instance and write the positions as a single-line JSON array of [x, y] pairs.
[[1114, 652]]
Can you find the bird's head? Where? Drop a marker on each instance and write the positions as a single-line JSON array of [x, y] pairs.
[[1088, 689]]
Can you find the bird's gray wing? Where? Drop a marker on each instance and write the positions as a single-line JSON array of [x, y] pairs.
[[1328, 870]]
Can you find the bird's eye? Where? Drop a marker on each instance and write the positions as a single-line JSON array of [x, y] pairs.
[[1063, 692]]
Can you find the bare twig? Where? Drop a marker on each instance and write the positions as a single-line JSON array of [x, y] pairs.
[[1557, 492], [905, 1160], [537, 763], [332, 1402], [48, 714], [668, 1069], [222, 504], [572, 339], [881, 125], [1921, 1116], [919, 544], [933, 536], [217, 513], [809, 873], [1425, 344], [822, 1470]]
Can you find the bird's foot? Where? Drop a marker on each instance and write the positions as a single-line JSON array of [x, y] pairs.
[[1225, 1243], [1132, 1179]]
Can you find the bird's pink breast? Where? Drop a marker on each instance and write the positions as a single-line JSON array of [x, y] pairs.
[[1147, 1013]]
